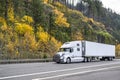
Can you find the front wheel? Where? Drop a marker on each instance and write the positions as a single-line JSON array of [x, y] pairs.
[[89, 59], [68, 60], [58, 62]]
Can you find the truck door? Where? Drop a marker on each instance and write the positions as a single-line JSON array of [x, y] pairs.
[[72, 54], [77, 52]]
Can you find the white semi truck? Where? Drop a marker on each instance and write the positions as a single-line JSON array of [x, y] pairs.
[[86, 51]]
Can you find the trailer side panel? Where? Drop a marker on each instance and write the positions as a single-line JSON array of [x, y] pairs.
[[99, 49]]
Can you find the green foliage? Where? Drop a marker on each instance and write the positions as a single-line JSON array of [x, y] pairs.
[[95, 9], [10, 10], [118, 50], [37, 8], [2, 8], [60, 20], [2, 22], [37, 28], [27, 19]]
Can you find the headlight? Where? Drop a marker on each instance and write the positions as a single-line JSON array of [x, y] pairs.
[[63, 54]]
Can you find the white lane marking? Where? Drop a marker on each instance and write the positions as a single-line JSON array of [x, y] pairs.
[[70, 74], [24, 75]]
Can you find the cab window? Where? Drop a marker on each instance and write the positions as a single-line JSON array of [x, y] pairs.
[[78, 49], [66, 50], [78, 44]]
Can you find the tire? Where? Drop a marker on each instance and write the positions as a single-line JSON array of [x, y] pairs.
[[85, 60], [68, 60], [103, 59], [88, 59], [58, 62], [110, 58]]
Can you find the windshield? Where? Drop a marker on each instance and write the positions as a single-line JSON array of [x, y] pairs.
[[65, 50]]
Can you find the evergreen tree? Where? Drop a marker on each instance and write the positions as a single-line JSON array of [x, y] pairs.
[[37, 11], [3, 8]]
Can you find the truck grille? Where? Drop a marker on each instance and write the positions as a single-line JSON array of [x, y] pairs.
[[56, 58]]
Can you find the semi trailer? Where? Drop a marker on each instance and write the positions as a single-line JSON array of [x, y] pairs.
[[86, 51]]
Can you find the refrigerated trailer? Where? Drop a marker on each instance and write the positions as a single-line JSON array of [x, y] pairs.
[[86, 51]]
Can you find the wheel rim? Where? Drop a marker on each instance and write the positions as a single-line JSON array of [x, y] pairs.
[[68, 60]]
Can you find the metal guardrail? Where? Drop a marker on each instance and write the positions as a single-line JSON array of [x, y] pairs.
[[29, 60], [25, 61]]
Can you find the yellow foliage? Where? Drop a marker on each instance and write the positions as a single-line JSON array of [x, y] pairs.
[[10, 11], [17, 53], [6, 29], [46, 42], [56, 43], [45, 1], [1, 36], [118, 47], [43, 36], [118, 50], [91, 20], [30, 41], [85, 19], [77, 36], [76, 13], [10, 47], [27, 19], [22, 28], [2, 21], [40, 29], [100, 24], [58, 4], [60, 20], [3, 28]]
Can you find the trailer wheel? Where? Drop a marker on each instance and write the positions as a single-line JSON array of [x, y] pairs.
[[68, 60], [110, 58], [89, 59], [58, 62]]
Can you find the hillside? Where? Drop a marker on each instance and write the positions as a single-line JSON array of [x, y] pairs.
[[36, 28], [95, 9]]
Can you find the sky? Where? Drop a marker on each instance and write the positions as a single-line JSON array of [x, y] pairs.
[[112, 4]]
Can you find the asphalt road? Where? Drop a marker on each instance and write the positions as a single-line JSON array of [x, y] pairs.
[[103, 70]]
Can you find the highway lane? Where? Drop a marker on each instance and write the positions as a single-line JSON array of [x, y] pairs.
[[110, 74], [53, 71]]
